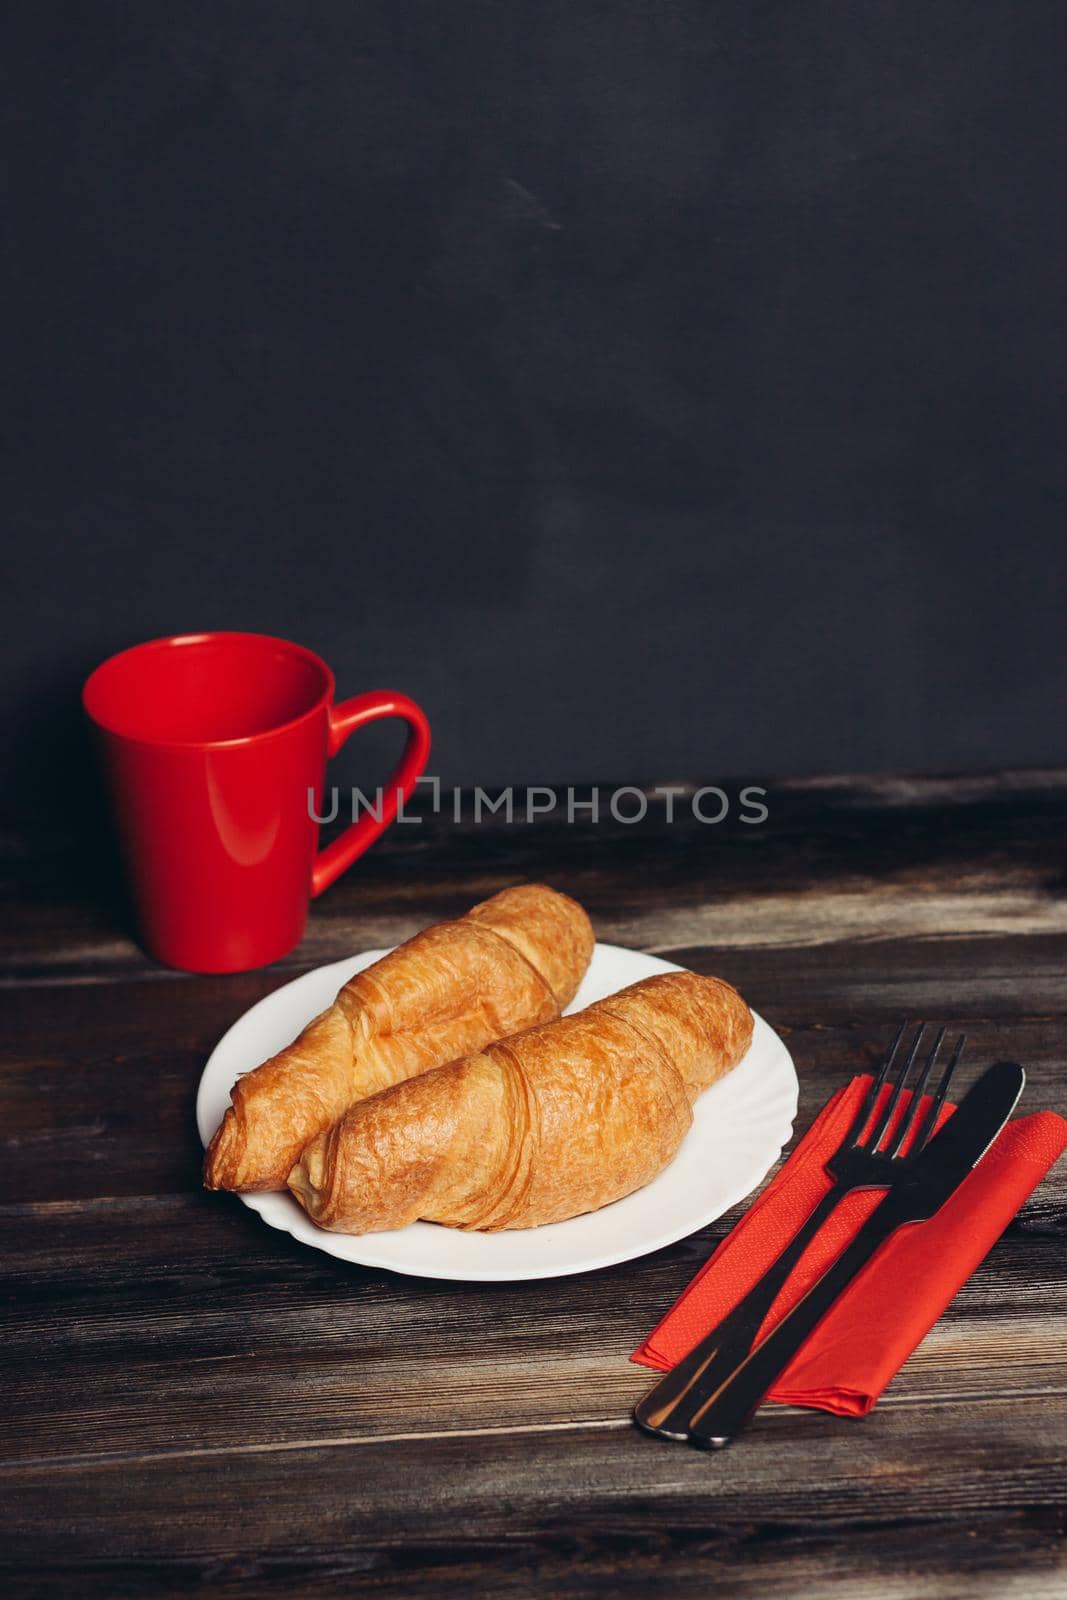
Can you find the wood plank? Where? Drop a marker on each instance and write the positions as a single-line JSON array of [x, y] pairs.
[[942, 1500], [866, 856], [197, 1402], [189, 1324], [98, 1088]]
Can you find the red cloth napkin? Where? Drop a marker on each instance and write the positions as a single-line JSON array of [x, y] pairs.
[[876, 1324]]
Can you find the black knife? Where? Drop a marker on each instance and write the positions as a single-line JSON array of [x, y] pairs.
[[958, 1146]]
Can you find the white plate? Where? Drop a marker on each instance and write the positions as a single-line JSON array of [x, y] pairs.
[[739, 1128]]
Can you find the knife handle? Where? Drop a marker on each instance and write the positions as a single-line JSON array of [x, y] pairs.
[[720, 1415], [666, 1408]]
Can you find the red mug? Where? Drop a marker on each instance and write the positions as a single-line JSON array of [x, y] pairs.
[[214, 750]]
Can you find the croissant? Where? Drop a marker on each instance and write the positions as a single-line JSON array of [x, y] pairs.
[[558, 1121], [510, 962]]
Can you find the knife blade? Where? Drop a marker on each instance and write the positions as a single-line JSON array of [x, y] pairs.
[[951, 1154]]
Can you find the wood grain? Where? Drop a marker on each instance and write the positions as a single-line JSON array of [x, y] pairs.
[[196, 1402], [949, 1498], [346, 1353]]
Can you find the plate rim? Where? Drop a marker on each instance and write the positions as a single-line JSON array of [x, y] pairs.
[[339, 1245]]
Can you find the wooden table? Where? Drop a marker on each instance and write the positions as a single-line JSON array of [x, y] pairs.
[[193, 1401]]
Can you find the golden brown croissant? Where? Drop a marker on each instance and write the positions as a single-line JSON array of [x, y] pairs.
[[511, 962], [560, 1120]]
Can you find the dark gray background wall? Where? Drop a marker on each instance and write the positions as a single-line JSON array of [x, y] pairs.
[[650, 387]]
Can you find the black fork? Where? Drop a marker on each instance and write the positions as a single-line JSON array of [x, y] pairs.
[[863, 1160]]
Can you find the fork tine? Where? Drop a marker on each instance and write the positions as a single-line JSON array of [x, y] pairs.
[[926, 1126], [916, 1095], [870, 1099], [885, 1116]]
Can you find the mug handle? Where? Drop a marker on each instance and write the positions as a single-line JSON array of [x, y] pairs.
[[345, 718]]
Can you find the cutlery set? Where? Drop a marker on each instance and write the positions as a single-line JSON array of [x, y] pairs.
[[707, 1398]]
